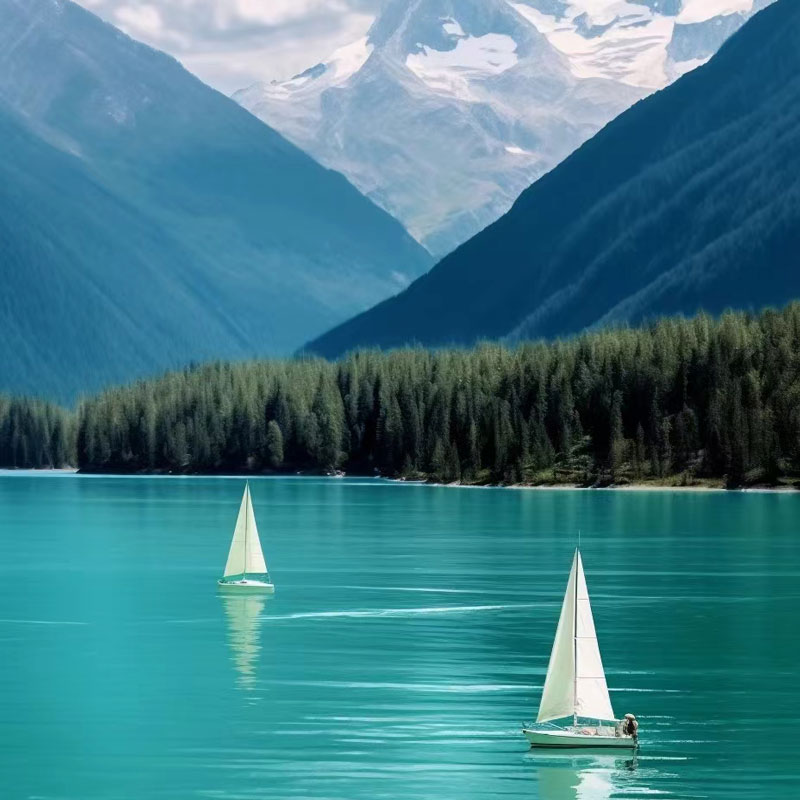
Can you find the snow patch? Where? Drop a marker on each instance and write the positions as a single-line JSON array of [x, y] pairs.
[[453, 28], [298, 81], [680, 68], [603, 12], [704, 10], [348, 60], [543, 23], [625, 40], [342, 64], [632, 50], [473, 57], [635, 55]]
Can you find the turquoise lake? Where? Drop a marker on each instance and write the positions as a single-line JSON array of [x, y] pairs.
[[406, 643]]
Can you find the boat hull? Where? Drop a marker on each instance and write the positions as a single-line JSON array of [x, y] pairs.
[[247, 586], [567, 739]]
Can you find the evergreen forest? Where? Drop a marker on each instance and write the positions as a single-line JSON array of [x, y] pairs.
[[680, 401]]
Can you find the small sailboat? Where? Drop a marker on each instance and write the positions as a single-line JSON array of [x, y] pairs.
[[246, 568], [575, 685]]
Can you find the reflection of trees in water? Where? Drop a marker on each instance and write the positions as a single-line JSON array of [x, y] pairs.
[[243, 615], [567, 776]]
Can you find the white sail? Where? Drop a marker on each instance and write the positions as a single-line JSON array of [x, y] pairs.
[[245, 556], [575, 682], [591, 697], [558, 697]]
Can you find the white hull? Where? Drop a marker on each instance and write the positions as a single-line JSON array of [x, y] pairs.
[[577, 739], [247, 586]]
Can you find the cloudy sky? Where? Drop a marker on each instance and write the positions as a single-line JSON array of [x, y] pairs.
[[232, 43]]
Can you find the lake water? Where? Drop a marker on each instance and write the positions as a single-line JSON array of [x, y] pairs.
[[407, 640]]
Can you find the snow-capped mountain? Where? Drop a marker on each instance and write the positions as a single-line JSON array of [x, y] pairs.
[[646, 43], [448, 109]]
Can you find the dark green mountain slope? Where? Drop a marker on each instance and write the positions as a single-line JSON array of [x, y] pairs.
[[147, 221], [689, 200]]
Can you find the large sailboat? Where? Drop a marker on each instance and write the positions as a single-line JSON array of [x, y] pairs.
[[246, 568], [575, 686]]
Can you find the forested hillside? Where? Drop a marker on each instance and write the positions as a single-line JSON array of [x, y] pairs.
[[35, 434], [690, 200], [147, 221], [679, 401]]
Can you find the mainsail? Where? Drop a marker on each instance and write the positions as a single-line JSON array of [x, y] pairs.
[[245, 556], [576, 683]]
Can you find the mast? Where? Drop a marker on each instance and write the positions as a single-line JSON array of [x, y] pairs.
[[575, 642], [246, 520]]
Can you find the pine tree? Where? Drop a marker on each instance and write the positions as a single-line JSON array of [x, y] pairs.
[[617, 449], [274, 445]]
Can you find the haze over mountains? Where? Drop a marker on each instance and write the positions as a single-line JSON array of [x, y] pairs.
[[689, 200], [146, 220], [448, 109]]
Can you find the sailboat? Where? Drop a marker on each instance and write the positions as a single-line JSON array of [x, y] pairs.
[[575, 685], [246, 568]]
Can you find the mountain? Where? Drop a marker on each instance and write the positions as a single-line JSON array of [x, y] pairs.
[[443, 114], [690, 200], [448, 109], [147, 221], [645, 43]]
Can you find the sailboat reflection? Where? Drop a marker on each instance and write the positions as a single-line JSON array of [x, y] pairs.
[[562, 776], [243, 615]]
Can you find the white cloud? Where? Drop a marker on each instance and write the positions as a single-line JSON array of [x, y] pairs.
[[276, 12], [142, 19], [233, 43]]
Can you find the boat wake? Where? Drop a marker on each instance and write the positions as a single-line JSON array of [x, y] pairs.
[[424, 688], [416, 589], [380, 613]]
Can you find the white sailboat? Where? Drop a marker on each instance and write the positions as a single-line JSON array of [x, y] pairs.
[[575, 685], [246, 568]]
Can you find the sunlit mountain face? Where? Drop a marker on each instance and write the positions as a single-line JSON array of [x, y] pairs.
[[447, 109]]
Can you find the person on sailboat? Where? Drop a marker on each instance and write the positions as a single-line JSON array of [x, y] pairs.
[[630, 727]]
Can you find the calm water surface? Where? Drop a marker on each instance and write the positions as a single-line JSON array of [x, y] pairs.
[[407, 640]]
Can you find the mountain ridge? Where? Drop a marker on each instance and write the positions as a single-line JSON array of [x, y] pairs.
[[513, 88], [442, 114]]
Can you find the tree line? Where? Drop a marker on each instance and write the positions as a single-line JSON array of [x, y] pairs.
[[678, 400], [35, 434]]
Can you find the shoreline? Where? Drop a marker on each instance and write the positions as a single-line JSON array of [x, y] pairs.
[[643, 487], [556, 487], [637, 487], [39, 470]]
